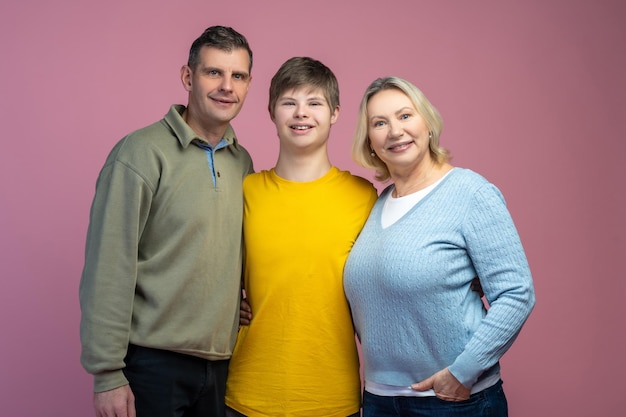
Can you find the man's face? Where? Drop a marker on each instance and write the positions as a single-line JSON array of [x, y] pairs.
[[303, 119], [217, 86]]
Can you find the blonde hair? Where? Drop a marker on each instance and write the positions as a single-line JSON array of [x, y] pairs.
[[361, 148]]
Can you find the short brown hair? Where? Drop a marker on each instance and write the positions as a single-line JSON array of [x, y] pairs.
[[220, 37], [299, 72]]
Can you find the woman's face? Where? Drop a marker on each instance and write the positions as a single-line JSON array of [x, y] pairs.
[[397, 132]]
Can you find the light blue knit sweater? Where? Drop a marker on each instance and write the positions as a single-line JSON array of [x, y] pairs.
[[409, 285]]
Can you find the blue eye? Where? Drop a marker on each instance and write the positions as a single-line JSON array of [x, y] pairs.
[[405, 116]]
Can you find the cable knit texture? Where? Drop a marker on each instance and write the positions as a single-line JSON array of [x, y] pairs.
[[409, 285]]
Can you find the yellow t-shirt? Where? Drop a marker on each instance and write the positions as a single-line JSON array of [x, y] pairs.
[[298, 357]]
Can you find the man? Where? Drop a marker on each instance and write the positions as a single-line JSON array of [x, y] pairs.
[[160, 286], [298, 355]]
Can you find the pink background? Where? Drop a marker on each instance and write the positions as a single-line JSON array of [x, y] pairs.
[[532, 95]]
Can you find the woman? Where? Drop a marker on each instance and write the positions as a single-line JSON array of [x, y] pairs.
[[430, 347]]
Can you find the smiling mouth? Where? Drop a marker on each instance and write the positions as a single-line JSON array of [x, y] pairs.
[[223, 100], [300, 127], [400, 146]]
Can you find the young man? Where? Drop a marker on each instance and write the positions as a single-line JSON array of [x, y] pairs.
[[298, 355], [160, 286]]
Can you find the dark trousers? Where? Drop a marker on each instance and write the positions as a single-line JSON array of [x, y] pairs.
[[490, 402], [169, 384]]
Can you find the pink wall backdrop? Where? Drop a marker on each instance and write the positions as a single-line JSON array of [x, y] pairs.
[[532, 96]]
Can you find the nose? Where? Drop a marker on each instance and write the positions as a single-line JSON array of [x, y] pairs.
[[395, 129], [300, 111], [227, 83]]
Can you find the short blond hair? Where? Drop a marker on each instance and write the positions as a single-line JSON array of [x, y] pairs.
[[361, 148]]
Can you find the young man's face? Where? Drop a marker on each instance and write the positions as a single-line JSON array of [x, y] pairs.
[[218, 85], [303, 118]]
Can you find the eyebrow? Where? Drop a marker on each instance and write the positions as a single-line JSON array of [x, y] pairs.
[[244, 74], [399, 111], [404, 109], [209, 68], [318, 98]]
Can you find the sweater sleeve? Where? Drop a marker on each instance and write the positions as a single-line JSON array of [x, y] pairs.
[[496, 252], [118, 214]]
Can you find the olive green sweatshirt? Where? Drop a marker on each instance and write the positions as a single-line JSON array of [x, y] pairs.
[[163, 250]]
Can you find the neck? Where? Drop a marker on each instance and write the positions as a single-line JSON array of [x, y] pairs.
[[302, 168], [211, 133], [417, 180]]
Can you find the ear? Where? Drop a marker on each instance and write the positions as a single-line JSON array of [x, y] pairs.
[[334, 116], [185, 77], [272, 113]]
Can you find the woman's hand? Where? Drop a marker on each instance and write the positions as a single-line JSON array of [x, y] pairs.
[[445, 385]]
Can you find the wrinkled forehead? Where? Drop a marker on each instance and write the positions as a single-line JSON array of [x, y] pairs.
[[389, 100], [236, 59]]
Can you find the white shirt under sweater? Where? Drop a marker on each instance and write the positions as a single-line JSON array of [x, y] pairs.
[[409, 286], [395, 208]]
